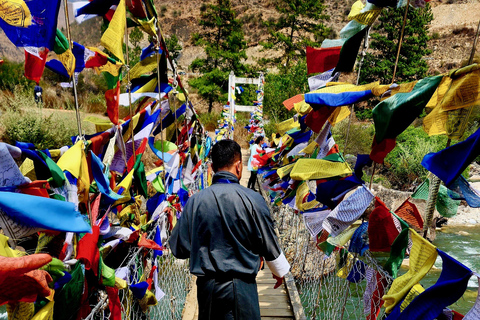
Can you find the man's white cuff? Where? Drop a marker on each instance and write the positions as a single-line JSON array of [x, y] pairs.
[[279, 266]]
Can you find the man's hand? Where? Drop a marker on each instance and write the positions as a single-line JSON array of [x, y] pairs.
[[279, 281]]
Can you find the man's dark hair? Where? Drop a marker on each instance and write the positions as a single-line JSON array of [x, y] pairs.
[[258, 140], [225, 153]]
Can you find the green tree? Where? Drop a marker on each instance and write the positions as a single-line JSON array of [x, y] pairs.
[[280, 87], [174, 47], [380, 60], [300, 25], [135, 37], [224, 43]]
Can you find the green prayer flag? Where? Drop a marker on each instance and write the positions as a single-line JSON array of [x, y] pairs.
[[349, 52], [61, 43], [108, 275], [446, 206], [57, 173], [393, 115], [140, 178], [397, 253], [67, 299]]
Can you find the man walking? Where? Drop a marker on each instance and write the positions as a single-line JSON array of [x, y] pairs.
[[224, 230], [38, 93]]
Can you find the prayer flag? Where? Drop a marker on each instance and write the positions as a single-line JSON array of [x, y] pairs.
[[337, 99], [312, 169], [35, 28], [381, 229], [422, 258], [408, 212], [40, 212], [348, 211], [364, 14], [474, 313], [322, 59], [112, 96], [97, 7], [393, 115], [35, 59], [61, 43], [112, 39], [461, 189], [449, 163], [330, 192], [349, 52], [450, 286], [15, 13], [320, 80]]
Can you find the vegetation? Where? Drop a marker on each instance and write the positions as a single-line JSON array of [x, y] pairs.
[[174, 47], [11, 76], [224, 43], [292, 32], [379, 62], [280, 87]]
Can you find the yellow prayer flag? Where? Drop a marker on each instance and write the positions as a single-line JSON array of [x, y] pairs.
[[412, 294], [310, 148], [286, 125], [422, 258], [367, 17], [112, 38], [312, 169], [148, 26], [20, 310], [46, 313], [6, 251], [68, 60], [344, 236], [345, 270], [464, 90], [338, 115], [150, 86], [283, 171], [75, 162], [112, 68], [302, 107], [145, 66], [15, 13], [27, 168]]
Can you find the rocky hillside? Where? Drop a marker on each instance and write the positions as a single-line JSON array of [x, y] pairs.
[[452, 29]]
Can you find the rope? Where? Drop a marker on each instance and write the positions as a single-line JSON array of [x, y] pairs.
[[129, 84], [365, 47], [400, 40], [70, 43]]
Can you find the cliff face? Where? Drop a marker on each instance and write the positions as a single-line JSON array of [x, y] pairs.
[[453, 28]]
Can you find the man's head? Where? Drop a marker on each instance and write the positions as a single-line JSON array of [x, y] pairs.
[[227, 156], [259, 140]]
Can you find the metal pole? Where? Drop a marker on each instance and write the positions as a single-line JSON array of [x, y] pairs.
[[75, 95], [129, 85]]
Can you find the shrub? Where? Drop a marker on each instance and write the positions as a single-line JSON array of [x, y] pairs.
[[209, 120], [360, 137], [403, 165], [45, 132]]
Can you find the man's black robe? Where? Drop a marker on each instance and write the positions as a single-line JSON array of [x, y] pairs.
[[224, 230]]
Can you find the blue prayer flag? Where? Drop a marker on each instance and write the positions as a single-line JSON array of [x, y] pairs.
[[42, 31]]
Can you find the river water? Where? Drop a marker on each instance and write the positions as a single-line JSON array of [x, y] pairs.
[[463, 244]]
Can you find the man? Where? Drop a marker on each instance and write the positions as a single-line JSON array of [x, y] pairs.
[[224, 230], [38, 93]]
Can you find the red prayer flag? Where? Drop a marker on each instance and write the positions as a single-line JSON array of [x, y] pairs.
[[382, 149], [409, 213], [317, 118], [381, 229], [322, 59], [35, 59], [112, 97], [289, 103]]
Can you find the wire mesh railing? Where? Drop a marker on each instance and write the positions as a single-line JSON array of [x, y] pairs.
[[169, 278], [341, 285]]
